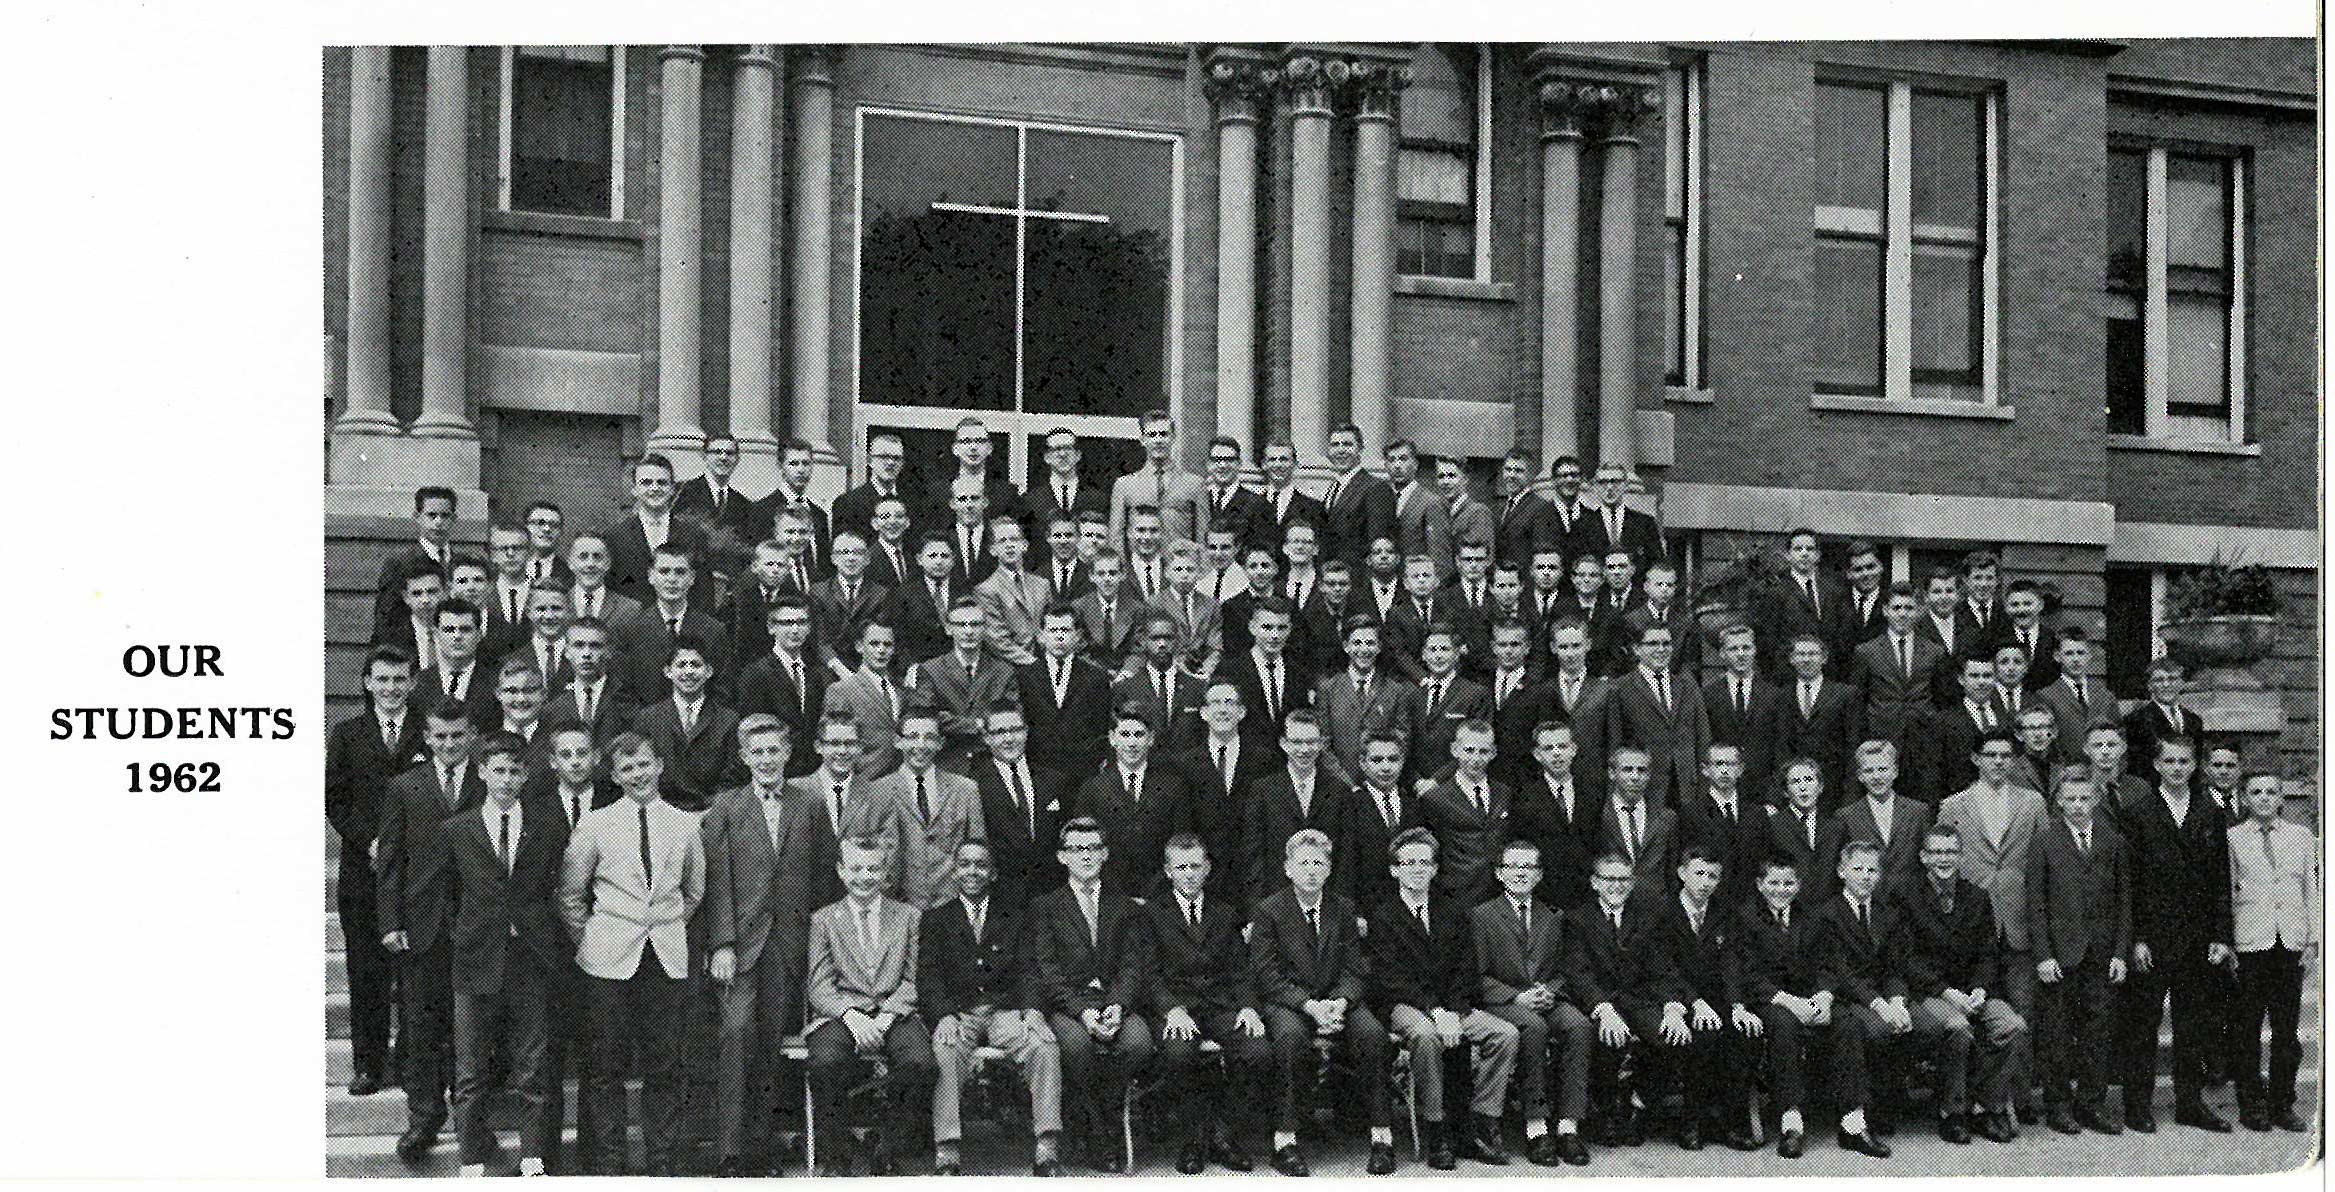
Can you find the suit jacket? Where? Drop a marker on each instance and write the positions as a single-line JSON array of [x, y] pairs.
[[921, 625], [358, 770], [1999, 866], [927, 858], [2181, 891], [1012, 605], [756, 899], [1957, 737], [1071, 579], [1180, 496], [1246, 514], [855, 508], [1511, 958], [543, 787], [1533, 701], [1046, 505], [845, 975], [1471, 840], [1893, 696], [629, 557], [737, 512], [1136, 828], [2079, 905], [1677, 738], [1108, 644], [1624, 967], [1316, 633], [836, 622], [1426, 969], [411, 877], [1423, 525], [495, 912], [1005, 500], [1639, 536], [1290, 505], [1471, 521], [1175, 726], [1829, 735], [1587, 716], [478, 693], [1076, 971], [1695, 964], [1197, 969], [1367, 879], [1364, 510], [1024, 859], [962, 700], [765, 686], [1201, 630], [1901, 854], [2099, 707], [956, 972], [1787, 837], [1242, 671], [1568, 842], [643, 639], [1464, 701], [1219, 809], [1938, 949], [2147, 728], [698, 763], [1293, 964], [863, 815], [1655, 859], [1773, 958], [1760, 733], [1857, 963], [389, 614], [1394, 706], [1524, 527], [864, 701], [2042, 664], [1854, 627], [1406, 631], [1788, 614], [613, 910], [1070, 737], [1271, 816], [2274, 899], [1739, 845], [1686, 635]]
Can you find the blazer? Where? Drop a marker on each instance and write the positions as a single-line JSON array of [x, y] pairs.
[[1893, 694], [1180, 496], [1787, 838], [756, 899], [2041, 642], [358, 770], [1655, 859], [1464, 701], [920, 624], [1109, 643], [1197, 969], [1393, 706], [1136, 828], [1568, 842], [1533, 701], [543, 787], [1938, 949], [2099, 707], [612, 909], [972, 564], [1857, 963], [1406, 630], [1957, 739], [940, 683], [642, 640], [389, 613], [1291, 505], [927, 860], [1243, 671], [1431, 968], [836, 622], [1201, 631], [1788, 614], [956, 972], [1471, 522], [877, 715], [846, 976], [1005, 500], [737, 512], [1759, 733], [495, 912], [2147, 727], [1271, 816], [410, 872], [1076, 971], [1513, 957], [863, 815], [1247, 515], [1011, 605], [1471, 840], [1739, 845], [699, 762], [1639, 536], [1363, 511], [1219, 808], [1069, 737], [1677, 737], [1523, 526], [1024, 860], [478, 693], [1587, 716], [765, 686], [1901, 854], [1293, 964], [1772, 957], [1046, 504], [2274, 901], [1694, 964], [1071, 579], [614, 606], [1423, 525], [1829, 734], [1624, 967], [1175, 725], [2181, 887], [2079, 905], [855, 507], [1999, 866], [1316, 633], [1367, 879], [1854, 627], [629, 556]]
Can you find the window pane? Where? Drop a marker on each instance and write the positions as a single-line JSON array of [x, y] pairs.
[[1674, 303], [2197, 220], [1440, 103], [1095, 294], [1848, 318], [2128, 172], [912, 164], [1674, 141], [1459, 250], [936, 286], [562, 129], [1948, 170], [1435, 176], [1411, 247], [1852, 146], [2127, 373], [2197, 334], [1945, 314], [2131, 636]]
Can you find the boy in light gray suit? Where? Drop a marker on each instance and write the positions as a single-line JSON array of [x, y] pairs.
[[862, 996]]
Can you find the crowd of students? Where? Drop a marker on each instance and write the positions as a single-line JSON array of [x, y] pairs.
[[1090, 777]]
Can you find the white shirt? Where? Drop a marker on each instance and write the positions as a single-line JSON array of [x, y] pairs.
[[690, 710], [1302, 785], [1884, 813], [574, 803], [656, 529], [976, 913], [492, 813], [768, 800]]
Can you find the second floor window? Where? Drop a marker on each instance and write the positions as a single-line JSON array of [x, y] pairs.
[[2174, 297], [562, 149], [1440, 183]]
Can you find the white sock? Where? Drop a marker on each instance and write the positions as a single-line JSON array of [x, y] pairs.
[[531, 1165], [1382, 1135], [1282, 1138], [1791, 1120], [1568, 1126], [473, 1170], [1536, 1127], [1853, 1122]]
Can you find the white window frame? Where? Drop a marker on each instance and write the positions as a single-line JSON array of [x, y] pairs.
[[510, 56], [1018, 423], [1482, 200], [2156, 310], [1898, 234], [1682, 184]]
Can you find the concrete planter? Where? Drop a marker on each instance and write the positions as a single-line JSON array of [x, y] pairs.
[[2223, 641]]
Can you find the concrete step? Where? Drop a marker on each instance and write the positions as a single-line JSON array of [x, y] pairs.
[[334, 941], [336, 1015], [375, 1155], [336, 972], [384, 1112]]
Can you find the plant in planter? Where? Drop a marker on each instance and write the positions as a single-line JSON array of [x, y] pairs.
[[1733, 589], [2225, 614]]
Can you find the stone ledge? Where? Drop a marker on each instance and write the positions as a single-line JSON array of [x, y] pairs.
[[1920, 406]]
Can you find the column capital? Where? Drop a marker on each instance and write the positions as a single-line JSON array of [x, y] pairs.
[[764, 55], [1305, 81], [1371, 87], [1564, 107], [1237, 84], [1615, 109], [815, 65], [688, 53]]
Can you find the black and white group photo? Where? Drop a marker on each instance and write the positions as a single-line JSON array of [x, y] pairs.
[[1329, 608]]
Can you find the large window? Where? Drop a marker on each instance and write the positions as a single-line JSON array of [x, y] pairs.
[[2174, 302], [562, 145], [1682, 216], [1444, 186], [1905, 222]]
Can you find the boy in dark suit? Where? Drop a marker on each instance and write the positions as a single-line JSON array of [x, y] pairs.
[[1748, 711], [2079, 923], [1554, 808], [509, 952], [1949, 954], [1090, 947], [1855, 962], [1377, 812], [2162, 718], [1066, 700], [1823, 718], [363, 754], [973, 984], [428, 554], [1022, 808], [695, 731], [1703, 1024], [1726, 824], [1138, 802], [1778, 978], [1519, 945], [1218, 772], [786, 680], [1195, 995], [2181, 935], [1799, 833], [1612, 961]]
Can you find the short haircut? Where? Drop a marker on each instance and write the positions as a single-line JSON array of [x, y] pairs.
[[1275, 603], [1860, 847], [1384, 736], [690, 643], [652, 460], [1734, 631], [1942, 832], [1698, 851], [1186, 842], [2067, 633], [1306, 716], [456, 607], [386, 656], [1862, 548], [757, 723], [499, 744], [1995, 735], [1077, 825], [432, 492], [517, 663], [1415, 834], [1980, 560], [471, 562], [1307, 838], [589, 624], [632, 744], [1874, 747], [1798, 532], [1226, 441]]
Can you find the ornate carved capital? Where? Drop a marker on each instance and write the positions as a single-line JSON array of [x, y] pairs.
[[1237, 86], [1615, 109], [1372, 89], [1564, 107], [1308, 84]]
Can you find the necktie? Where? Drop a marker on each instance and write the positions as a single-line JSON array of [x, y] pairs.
[[2084, 841], [1061, 576], [1159, 489], [503, 843], [389, 737], [1808, 585], [923, 800], [1500, 689], [1613, 524], [1662, 683], [1313, 919], [978, 913], [1336, 486], [1523, 918], [575, 809], [1362, 689], [1905, 654], [1192, 611], [1192, 913], [1864, 921], [1088, 902], [647, 871], [1807, 699], [448, 789], [511, 604], [1421, 915], [1475, 798], [1065, 497], [1061, 669], [674, 623], [688, 718], [1434, 696], [891, 697], [794, 671], [2077, 685], [584, 702], [1727, 809], [1742, 695], [1784, 918], [850, 592], [1223, 771], [1615, 917], [1808, 825], [1273, 692], [2269, 851], [1108, 619], [1694, 921], [1633, 835], [1021, 800], [1387, 810], [837, 805], [972, 669]]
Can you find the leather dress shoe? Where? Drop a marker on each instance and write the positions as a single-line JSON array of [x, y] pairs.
[[1864, 1144], [1738, 1137], [1690, 1136], [1440, 1156], [1192, 1160], [1047, 1168], [364, 1084], [2097, 1122], [2288, 1120], [1481, 1143], [1288, 1161], [1542, 1151], [2139, 1120], [1225, 1153], [2254, 1119], [2064, 1120], [883, 1164], [1954, 1129], [2028, 1115], [1572, 1150], [2204, 1119], [1109, 1160], [1791, 1144], [415, 1143], [1382, 1159], [952, 1167], [1997, 1127], [1630, 1130]]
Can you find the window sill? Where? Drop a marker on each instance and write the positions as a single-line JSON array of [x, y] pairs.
[[2182, 446], [1692, 397], [548, 224], [1457, 287], [1931, 407]]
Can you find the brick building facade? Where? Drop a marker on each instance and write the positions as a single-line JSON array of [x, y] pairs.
[[2049, 298]]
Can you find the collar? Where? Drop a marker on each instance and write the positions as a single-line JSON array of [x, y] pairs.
[[830, 779], [1088, 890], [1691, 909], [1884, 804], [1854, 903], [1413, 907], [1132, 779], [974, 910], [693, 707], [1942, 891], [1348, 476]]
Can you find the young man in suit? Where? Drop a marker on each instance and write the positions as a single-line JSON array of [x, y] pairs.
[[1580, 697], [1613, 963], [1659, 605], [1520, 697], [1161, 484], [920, 604], [792, 497], [1414, 611], [1446, 700], [2103, 758], [2078, 701], [2162, 718], [2275, 911], [1857, 964], [1260, 573], [519, 697], [1231, 507], [1587, 605], [2011, 695], [871, 697], [432, 550], [1472, 602], [973, 983], [588, 563], [1800, 833], [545, 642], [633, 874], [545, 525], [1703, 1023], [1361, 697], [572, 786], [1065, 702], [2023, 604], [644, 639], [1360, 507], [711, 497], [1271, 679], [633, 541], [1423, 964], [2079, 923], [1022, 809], [1061, 562], [695, 733], [1981, 621], [968, 533], [1997, 823], [1806, 601], [1313, 976], [1728, 825], [1519, 949], [935, 809], [1168, 694], [1661, 712], [1291, 798], [412, 911], [362, 756], [1195, 995], [1894, 671], [1199, 630], [507, 591], [841, 808], [1633, 827], [1218, 774], [2037, 763], [1422, 522], [1777, 974], [509, 951], [1976, 708], [963, 683], [786, 680], [2181, 932], [458, 629], [1146, 556], [1523, 524], [855, 509], [1865, 614], [1940, 622], [892, 545], [1109, 616], [1090, 948], [1062, 493], [1471, 519], [1277, 459], [758, 841], [1950, 955], [1013, 596], [414, 631], [863, 1003], [1548, 592], [1139, 803], [1747, 711], [846, 602], [1892, 823], [1823, 717], [1553, 808], [1612, 524], [1469, 814]]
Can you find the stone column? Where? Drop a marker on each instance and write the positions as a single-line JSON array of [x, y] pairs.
[[753, 129], [446, 249], [1561, 104], [810, 210], [1236, 87], [1306, 84], [1618, 109], [367, 378], [680, 252], [1375, 88]]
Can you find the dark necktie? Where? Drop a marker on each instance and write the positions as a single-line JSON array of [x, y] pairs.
[[1662, 683], [1864, 921], [1421, 915], [1221, 771], [1742, 695], [511, 603], [1021, 800], [674, 623], [449, 790], [1434, 697], [1273, 692], [1313, 919], [646, 870], [503, 843], [389, 737], [1905, 654], [2269, 851], [575, 809], [1336, 487], [2077, 685], [1523, 918], [1809, 586], [1192, 914], [923, 800]]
